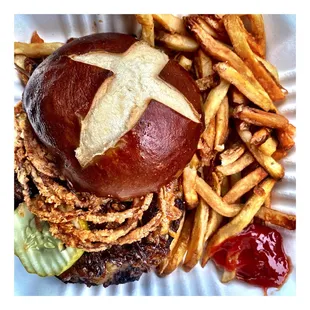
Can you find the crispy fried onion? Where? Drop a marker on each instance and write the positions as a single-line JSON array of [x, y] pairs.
[[111, 222], [166, 199], [102, 239]]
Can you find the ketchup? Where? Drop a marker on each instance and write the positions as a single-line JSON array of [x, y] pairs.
[[256, 254]]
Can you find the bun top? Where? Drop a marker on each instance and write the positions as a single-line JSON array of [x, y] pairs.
[[121, 118]]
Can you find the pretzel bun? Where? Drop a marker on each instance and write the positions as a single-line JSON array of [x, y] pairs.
[[97, 103]]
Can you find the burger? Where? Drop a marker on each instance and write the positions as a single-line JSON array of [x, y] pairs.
[[105, 128]]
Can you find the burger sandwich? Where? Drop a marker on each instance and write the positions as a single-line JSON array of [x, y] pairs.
[[105, 128]]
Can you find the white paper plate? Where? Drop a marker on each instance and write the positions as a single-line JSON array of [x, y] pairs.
[[281, 51]]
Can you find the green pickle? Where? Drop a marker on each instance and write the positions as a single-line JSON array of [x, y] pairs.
[[37, 249]]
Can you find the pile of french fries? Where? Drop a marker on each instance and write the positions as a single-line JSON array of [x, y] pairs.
[[229, 181]]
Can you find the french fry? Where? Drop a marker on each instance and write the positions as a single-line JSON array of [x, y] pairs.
[[260, 118], [269, 67], [269, 146], [248, 89], [238, 37], [275, 169], [206, 144], [177, 42], [222, 129], [286, 142], [214, 200], [237, 97], [177, 254], [220, 16], [35, 38], [222, 53], [185, 62], [258, 45], [260, 136], [189, 179], [215, 219], [237, 166], [171, 23], [209, 134], [291, 130], [224, 187], [267, 203], [25, 67], [214, 47], [279, 154], [147, 23], [241, 220], [36, 50], [203, 64], [233, 179], [206, 82], [277, 218], [228, 276], [214, 100], [216, 183], [196, 242], [218, 26], [244, 185], [206, 27], [19, 61], [250, 168], [232, 154], [285, 137], [163, 264]]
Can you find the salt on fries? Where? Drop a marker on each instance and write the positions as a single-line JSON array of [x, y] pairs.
[[231, 176]]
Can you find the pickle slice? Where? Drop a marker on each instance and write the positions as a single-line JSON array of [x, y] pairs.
[[37, 249]]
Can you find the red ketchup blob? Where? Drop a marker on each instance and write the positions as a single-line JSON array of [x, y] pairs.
[[256, 254]]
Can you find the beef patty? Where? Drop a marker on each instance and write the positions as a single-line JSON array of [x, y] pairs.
[[126, 263]]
